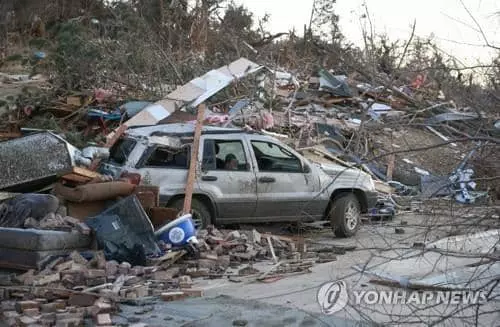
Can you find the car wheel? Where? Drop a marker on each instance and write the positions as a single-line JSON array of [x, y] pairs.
[[200, 212], [345, 215]]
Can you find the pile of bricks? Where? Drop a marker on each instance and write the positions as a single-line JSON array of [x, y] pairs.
[[222, 249], [68, 292]]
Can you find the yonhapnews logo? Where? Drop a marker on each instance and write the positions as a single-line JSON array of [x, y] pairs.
[[334, 296]]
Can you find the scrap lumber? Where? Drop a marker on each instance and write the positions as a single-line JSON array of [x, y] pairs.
[[9, 135], [441, 136], [81, 175], [188, 194], [271, 248], [390, 166]]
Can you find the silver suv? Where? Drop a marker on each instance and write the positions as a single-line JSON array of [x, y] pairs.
[[243, 177]]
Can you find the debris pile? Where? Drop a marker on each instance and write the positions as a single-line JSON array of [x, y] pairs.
[[85, 286], [362, 124], [72, 289]]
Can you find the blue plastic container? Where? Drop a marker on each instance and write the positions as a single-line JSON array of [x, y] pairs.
[[178, 232]]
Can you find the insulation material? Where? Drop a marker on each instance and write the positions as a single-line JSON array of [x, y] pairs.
[[34, 158]]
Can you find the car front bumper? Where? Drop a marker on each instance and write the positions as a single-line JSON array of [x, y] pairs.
[[371, 199]]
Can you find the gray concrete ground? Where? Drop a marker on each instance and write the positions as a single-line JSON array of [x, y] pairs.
[[377, 246]]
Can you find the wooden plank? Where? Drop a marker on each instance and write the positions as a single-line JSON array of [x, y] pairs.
[[76, 178], [188, 194], [116, 136], [85, 172], [271, 248], [391, 159], [10, 135], [444, 138]]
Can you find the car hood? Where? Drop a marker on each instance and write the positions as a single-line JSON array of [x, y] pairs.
[[345, 177]]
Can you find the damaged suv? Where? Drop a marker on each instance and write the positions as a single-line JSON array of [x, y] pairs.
[[243, 177]]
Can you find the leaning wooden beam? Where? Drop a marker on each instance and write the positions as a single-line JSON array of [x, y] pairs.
[[194, 160], [391, 160]]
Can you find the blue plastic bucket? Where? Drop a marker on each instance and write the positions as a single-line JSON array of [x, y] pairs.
[[178, 232]]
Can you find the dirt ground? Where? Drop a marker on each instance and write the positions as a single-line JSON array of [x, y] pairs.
[[440, 160]]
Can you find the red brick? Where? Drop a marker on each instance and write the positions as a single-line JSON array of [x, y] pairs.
[[64, 266], [162, 275], [192, 292], [33, 312], [198, 272], [111, 268], [82, 300], [104, 319], [68, 281], [78, 277], [23, 305], [102, 306], [94, 273], [137, 271], [96, 281], [77, 258], [49, 307], [206, 263], [124, 268], [172, 296], [185, 279], [60, 304], [41, 300], [99, 260], [44, 280]]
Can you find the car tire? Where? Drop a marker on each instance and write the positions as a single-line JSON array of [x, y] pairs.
[[201, 213], [345, 215]]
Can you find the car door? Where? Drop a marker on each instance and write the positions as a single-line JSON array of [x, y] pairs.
[[284, 190], [165, 167], [233, 188]]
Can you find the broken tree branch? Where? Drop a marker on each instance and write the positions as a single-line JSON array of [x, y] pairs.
[[479, 27]]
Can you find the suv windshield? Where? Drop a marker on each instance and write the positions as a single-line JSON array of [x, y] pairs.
[[121, 149]]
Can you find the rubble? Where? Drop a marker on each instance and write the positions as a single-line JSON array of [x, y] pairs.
[[93, 286], [99, 240]]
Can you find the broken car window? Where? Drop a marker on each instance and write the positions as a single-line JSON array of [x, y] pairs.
[[121, 150], [272, 157], [165, 157], [224, 155]]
